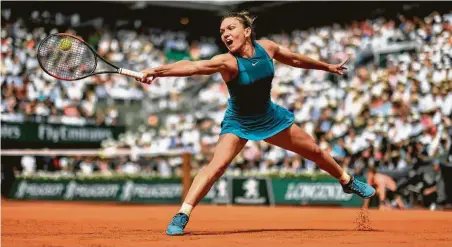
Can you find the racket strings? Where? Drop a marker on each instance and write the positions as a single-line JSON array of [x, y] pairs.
[[66, 57]]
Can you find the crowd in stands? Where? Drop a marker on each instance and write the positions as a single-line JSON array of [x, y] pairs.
[[374, 116], [391, 111], [28, 93]]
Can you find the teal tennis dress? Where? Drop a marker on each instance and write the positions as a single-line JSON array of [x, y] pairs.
[[251, 114]]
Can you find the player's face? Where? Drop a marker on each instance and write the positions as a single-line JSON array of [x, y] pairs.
[[233, 34]]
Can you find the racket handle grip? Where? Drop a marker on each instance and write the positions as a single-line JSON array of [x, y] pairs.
[[130, 73]]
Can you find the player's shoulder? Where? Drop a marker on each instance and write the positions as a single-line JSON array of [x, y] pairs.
[[228, 63], [270, 46], [226, 59], [266, 42]]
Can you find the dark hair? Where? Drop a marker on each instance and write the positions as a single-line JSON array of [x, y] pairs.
[[245, 18]]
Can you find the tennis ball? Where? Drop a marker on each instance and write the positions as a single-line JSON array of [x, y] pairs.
[[65, 44]]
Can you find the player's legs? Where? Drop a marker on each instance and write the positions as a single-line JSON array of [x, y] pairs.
[[298, 141], [227, 148]]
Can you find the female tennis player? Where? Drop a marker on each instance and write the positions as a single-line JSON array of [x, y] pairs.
[[248, 71]]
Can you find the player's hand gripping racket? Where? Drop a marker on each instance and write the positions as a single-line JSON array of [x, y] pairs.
[[67, 57]]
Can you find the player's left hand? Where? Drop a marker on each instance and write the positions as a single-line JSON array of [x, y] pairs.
[[338, 68]]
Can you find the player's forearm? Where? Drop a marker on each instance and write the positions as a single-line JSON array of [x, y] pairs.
[[180, 68], [306, 62]]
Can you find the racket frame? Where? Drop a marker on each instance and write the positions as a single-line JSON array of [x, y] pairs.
[[96, 55]]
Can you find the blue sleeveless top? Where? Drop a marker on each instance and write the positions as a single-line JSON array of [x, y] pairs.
[[251, 114]]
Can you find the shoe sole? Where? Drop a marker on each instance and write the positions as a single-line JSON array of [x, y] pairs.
[[371, 195], [174, 234], [365, 197]]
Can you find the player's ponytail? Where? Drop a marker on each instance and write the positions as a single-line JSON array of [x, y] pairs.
[[246, 19]]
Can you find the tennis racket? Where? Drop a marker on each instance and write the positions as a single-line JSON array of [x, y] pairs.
[[67, 57]]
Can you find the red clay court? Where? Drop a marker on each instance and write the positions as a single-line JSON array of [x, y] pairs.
[[39, 224]]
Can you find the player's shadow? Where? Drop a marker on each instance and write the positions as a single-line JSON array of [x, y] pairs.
[[207, 233]]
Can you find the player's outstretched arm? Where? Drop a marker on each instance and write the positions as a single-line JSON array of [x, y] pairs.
[[187, 68], [293, 59]]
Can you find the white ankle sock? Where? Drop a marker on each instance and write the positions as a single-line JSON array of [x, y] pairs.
[[345, 178], [186, 209]]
